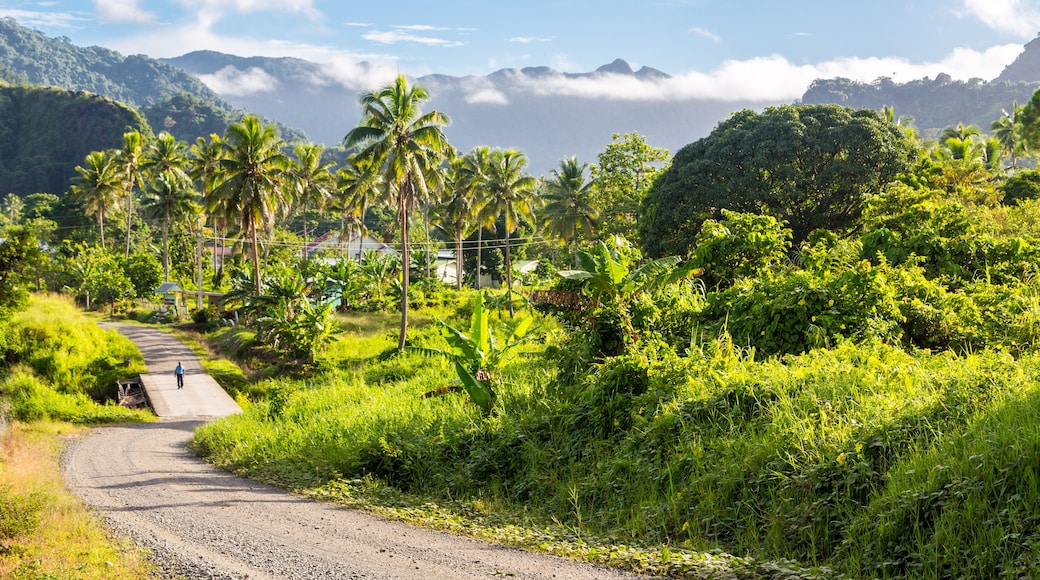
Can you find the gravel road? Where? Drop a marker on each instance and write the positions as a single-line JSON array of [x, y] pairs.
[[200, 522]]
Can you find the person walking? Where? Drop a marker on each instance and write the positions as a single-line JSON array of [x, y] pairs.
[[179, 371]]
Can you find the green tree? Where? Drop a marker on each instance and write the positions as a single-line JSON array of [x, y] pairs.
[[456, 215], [359, 182], [568, 212], [808, 165], [1007, 131], [129, 158], [409, 145], [169, 200], [144, 272], [509, 196], [252, 175], [98, 187], [312, 182], [205, 157], [475, 172], [12, 208], [18, 253], [626, 170]]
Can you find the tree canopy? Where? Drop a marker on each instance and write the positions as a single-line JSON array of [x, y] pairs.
[[807, 165]]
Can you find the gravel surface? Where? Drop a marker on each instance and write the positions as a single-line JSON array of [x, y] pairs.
[[200, 522]]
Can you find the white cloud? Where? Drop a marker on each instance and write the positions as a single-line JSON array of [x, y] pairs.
[[528, 39], [231, 81], [246, 6], [352, 74], [123, 11], [771, 78], [396, 36], [705, 33], [43, 19], [480, 90], [1020, 17]]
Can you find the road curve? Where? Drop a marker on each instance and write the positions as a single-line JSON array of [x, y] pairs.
[[204, 523]]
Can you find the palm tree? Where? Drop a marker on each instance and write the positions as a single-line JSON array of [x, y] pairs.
[[408, 145], [312, 182], [205, 171], [98, 186], [129, 159], [568, 211], [1006, 131], [168, 199], [13, 207], [475, 171], [168, 157], [252, 175], [509, 196], [358, 182], [456, 214]]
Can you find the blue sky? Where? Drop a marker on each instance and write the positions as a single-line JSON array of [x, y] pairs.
[[730, 49]]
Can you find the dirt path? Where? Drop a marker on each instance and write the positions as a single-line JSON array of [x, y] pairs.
[[204, 523]]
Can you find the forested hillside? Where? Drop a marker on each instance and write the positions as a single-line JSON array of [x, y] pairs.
[[932, 103], [33, 57], [46, 132]]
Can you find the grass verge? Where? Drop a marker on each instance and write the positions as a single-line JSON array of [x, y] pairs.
[[47, 532]]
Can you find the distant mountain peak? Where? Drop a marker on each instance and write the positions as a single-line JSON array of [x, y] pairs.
[[619, 66], [1025, 68]]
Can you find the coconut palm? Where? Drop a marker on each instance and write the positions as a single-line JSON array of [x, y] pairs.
[[568, 211], [312, 182], [98, 186], [510, 198], [168, 157], [1006, 131], [408, 145], [13, 206], [475, 170], [252, 177], [168, 199], [456, 215], [129, 159], [205, 171], [359, 182]]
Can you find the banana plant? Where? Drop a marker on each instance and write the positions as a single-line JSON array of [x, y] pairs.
[[477, 356], [607, 276]]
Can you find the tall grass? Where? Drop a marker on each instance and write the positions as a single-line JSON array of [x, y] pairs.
[[47, 531], [865, 460], [67, 348]]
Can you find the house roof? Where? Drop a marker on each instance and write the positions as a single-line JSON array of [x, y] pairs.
[[168, 287]]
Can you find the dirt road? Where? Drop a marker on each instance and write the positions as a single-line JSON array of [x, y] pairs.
[[204, 523]]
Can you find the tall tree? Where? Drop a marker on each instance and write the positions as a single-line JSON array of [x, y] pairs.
[[13, 206], [252, 177], [409, 145], [312, 182], [168, 199], [167, 156], [205, 171], [626, 169], [359, 182], [475, 172], [98, 186], [510, 194], [568, 212], [1007, 131], [803, 164], [129, 159], [456, 214]]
